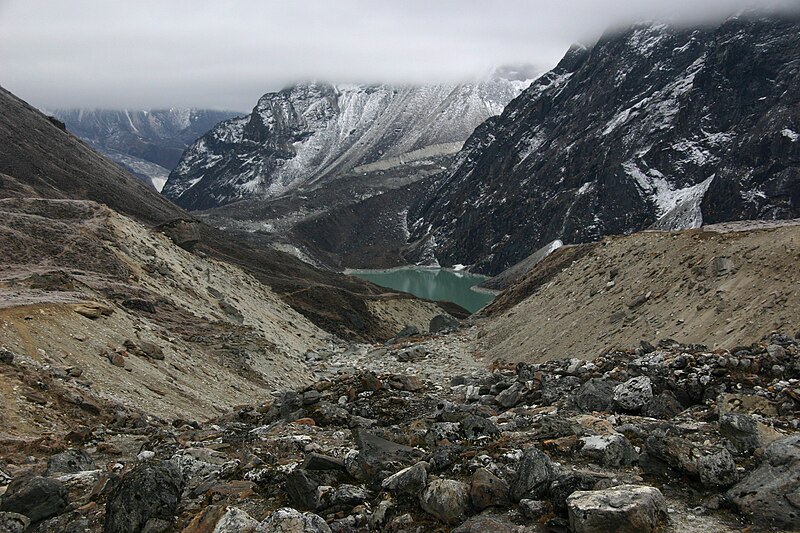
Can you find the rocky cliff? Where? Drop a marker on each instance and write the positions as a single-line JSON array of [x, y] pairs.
[[305, 133], [655, 126]]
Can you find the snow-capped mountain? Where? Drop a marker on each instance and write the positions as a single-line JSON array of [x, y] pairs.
[[148, 143], [308, 132], [654, 127]]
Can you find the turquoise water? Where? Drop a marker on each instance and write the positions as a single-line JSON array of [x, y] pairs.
[[431, 283]]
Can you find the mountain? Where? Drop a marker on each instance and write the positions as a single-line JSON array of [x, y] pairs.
[[652, 127], [148, 143], [42, 162], [307, 134]]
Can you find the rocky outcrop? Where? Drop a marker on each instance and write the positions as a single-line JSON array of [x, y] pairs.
[[146, 499], [654, 126], [771, 493]]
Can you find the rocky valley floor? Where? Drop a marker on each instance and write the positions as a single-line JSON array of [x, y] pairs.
[[149, 388], [418, 434]]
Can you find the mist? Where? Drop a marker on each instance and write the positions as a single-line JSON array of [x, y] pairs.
[[148, 54]]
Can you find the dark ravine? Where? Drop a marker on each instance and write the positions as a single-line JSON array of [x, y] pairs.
[[653, 126]]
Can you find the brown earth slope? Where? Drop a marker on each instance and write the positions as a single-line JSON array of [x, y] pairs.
[[105, 316], [720, 285], [39, 159]]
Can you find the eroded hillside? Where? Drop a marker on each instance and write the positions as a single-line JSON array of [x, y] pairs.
[[117, 312], [720, 285]]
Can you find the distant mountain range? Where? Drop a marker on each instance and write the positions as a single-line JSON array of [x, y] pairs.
[[147, 143], [306, 134]]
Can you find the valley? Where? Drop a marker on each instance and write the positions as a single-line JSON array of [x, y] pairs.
[[559, 302]]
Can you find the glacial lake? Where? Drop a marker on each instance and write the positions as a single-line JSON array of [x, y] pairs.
[[431, 283]]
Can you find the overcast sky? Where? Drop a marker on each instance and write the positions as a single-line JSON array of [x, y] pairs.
[[225, 54]]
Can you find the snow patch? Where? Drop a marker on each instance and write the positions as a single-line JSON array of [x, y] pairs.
[[677, 208], [790, 134]]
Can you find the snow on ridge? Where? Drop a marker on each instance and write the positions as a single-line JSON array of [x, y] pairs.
[[333, 129]]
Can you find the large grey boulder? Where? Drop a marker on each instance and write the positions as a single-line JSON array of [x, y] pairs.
[[69, 462], [597, 394], [410, 481], [770, 495], [622, 509], [447, 500], [717, 469], [236, 521], [443, 323], [146, 499], [379, 458], [608, 450], [487, 490], [534, 474], [36, 497], [633, 394], [288, 520]]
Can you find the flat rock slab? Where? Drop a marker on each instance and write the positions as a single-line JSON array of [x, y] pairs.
[[622, 509]]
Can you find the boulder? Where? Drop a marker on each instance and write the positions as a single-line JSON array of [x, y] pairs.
[[288, 520], [485, 524], [345, 497], [663, 406], [511, 396], [236, 521], [36, 497], [69, 462], [633, 394], [410, 481], [743, 431], [556, 387], [534, 509], [622, 509], [608, 450], [770, 495], [443, 323], [13, 522], [378, 458], [318, 461], [567, 482], [302, 490], [487, 490], [596, 394], [534, 474], [146, 499], [476, 426], [446, 499], [717, 470], [6, 356]]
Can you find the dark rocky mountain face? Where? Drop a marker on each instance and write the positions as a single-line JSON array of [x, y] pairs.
[[304, 135], [656, 127], [147, 143]]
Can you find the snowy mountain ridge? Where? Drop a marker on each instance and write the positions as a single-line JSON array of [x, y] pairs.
[[300, 135], [656, 127]]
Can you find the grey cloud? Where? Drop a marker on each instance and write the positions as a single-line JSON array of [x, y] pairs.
[[107, 53]]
